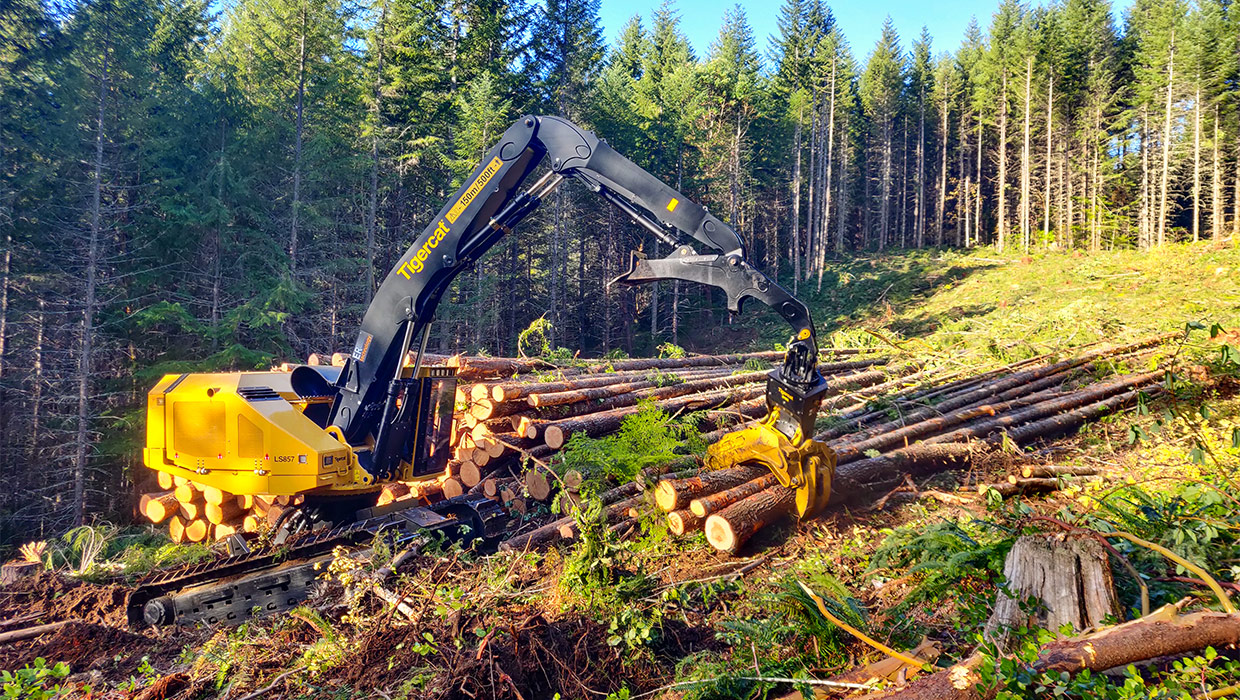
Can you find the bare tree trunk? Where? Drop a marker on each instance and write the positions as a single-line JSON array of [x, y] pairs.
[[298, 140], [1197, 164], [36, 380], [903, 195], [1235, 200], [1216, 187], [1166, 148], [842, 202], [920, 205], [1146, 223], [557, 240], [821, 260], [884, 223], [942, 204], [1001, 236], [812, 196], [89, 300], [964, 204], [1025, 165], [1095, 226], [796, 197], [217, 252], [6, 270], [977, 199], [1050, 128], [680, 172], [372, 211]]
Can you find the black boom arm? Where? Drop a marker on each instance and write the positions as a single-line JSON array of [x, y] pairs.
[[488, 206]]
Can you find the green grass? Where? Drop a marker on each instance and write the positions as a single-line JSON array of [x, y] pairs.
[[990, 309]]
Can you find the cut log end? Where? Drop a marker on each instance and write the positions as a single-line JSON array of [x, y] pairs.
[[720, 535]]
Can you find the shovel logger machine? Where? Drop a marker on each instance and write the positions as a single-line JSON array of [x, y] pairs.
[[335, 435]]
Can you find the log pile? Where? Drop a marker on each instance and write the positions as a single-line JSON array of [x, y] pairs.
[[940, 426], [514, 414], [889, 419]]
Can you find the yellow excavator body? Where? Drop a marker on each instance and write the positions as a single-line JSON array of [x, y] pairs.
[[260, 433]]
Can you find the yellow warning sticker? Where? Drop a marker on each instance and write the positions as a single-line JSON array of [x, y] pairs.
[[671, 206], [474, 189]]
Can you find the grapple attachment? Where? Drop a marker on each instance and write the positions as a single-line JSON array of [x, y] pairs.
[[806, 467]]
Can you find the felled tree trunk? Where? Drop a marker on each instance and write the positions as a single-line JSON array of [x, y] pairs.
[[1161, 633], [1071, 578]]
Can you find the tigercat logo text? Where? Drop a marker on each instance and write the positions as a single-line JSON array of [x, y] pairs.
[[417, 262]]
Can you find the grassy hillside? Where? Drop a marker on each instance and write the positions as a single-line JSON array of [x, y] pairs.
[[979, 307]]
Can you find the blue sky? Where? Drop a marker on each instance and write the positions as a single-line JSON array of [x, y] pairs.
[[861, 20]]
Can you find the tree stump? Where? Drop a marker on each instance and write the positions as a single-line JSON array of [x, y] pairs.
[[14, 571], [1071, 578]]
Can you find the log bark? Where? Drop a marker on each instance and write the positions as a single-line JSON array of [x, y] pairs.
[[731, 527], [188, 492], [645, 389], [14, 571], [675, 494], [862, 476], [1072, 420], [705, 505], [557, 433], [1051, 407], [548, 534], [218, 513], [473, 368], [452, 488], [1021, 380], [33, 632], [214, 496], [176, 529], [1161, 633], [196, 530], [683, 521], [612, 514], [158, 507], [1050, 471], [1015, 487], [519, 389]]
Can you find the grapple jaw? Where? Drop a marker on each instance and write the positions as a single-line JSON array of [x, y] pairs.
[[806, 467]]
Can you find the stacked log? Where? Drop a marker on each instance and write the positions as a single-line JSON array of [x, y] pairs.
[[514, 414], [1029, 401]]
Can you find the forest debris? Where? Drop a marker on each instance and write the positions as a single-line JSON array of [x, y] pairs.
[[1162, 633], [32, 632]]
